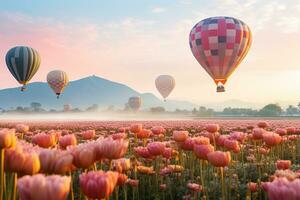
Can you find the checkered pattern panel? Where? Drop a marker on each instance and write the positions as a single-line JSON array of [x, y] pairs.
[[57, 80], [219, 44]]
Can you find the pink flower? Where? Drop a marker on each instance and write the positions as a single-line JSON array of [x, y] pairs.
[[219, 158], [157, 130], [22, 128], [201, 151], [98, 184], [194, 187], [67, 140], [212, 128], [263, 124], [282, 188], [272, 139], [283, 164], [111, 149], [156, 148], [89, 134], [188, 144], [144, 133], [55, 161], [180, 136], [167, 153], [44, 140], [135, 128], [84, 155], [40, 187], [142, 152]]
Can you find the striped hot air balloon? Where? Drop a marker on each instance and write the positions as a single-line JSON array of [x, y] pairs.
[[23, 62], [135, 103], [220, 44], [57, 80], [165, 84]]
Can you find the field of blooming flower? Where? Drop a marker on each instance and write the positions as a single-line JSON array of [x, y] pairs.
[[205, 159]]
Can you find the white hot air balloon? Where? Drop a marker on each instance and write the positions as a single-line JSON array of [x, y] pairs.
[[165, 84], [57, 80]]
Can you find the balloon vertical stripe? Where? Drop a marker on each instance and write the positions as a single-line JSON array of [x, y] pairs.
[[22, 62]]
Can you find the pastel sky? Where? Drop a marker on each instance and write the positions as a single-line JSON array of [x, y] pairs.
[[133, 41]]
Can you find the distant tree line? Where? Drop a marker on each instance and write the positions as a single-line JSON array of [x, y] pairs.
[[269, 110]]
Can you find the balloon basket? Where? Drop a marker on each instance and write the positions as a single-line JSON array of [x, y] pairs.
[[23, 88], [220, 88]]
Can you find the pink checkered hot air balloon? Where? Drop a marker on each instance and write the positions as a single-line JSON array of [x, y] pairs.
[[219, 44], [165, 84], [57, 80]]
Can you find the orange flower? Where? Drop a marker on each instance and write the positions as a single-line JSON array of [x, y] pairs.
[[7, 138]]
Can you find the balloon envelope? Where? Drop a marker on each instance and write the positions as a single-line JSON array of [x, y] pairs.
[[57, 80], [219, 44], [23, 62], [135, 103], [165, 84]]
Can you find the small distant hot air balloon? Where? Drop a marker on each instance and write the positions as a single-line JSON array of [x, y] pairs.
[[135, 103], [219, 44], [23, 62], [57, 80], [165, 84]]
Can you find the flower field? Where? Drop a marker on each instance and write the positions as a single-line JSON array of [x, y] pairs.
[[205, 159]]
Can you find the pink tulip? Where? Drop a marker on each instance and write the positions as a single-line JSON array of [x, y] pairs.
[[44, 140], [201, 151], [156, 148], [283, 164], [135, 128], [158, 130], [98, 184], [180, 136], [22, 128], [143, 152], [219, 158], [212, 128], [188, 144], [55, 161], [111, 149], [144, 133], [272, 139], [67, 140], [89, 134], [263, 124], [40, 187]]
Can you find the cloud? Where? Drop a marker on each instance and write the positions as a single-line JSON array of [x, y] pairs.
[[158, 10]]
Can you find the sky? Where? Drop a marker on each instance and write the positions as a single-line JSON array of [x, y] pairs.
[[134, 41]]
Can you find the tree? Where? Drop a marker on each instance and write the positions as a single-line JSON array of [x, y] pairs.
[[92, 108], [158, 109], [291, 110], [270, 110], [35, 106]]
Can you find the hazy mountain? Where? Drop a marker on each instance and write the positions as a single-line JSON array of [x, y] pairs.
[[83, 93]]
